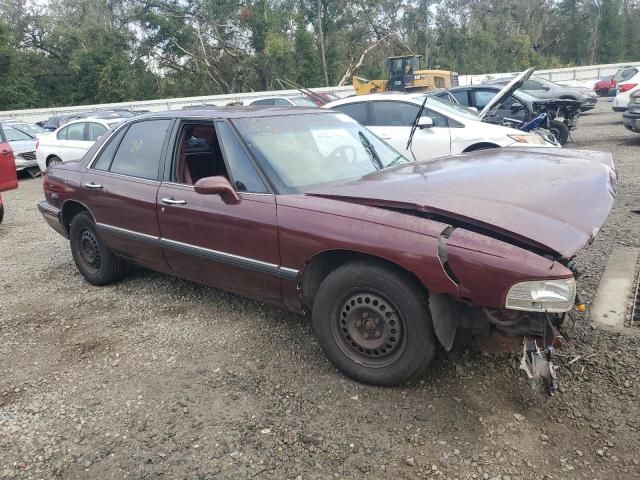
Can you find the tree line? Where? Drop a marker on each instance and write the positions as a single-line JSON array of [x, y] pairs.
[[71, 52]]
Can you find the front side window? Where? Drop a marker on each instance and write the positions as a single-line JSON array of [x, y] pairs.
[[281, 102], [96, 130], [138, 154], [357, 111], [482, 97], [300, 152], [532, 85], [393, 114], [462, 97]]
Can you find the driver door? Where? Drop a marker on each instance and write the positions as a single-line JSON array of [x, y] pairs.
[[228, 246], [391, 121]]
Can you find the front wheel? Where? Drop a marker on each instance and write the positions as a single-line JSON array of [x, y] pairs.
[[54, 161], [373, 323], [97, 264], [560, 131]]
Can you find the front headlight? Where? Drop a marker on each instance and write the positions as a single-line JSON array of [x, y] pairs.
[[531, 139], [542, 295]]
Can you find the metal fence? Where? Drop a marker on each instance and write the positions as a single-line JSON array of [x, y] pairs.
[[557, 75]]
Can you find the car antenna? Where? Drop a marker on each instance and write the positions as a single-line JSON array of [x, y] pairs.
[[414, 126]]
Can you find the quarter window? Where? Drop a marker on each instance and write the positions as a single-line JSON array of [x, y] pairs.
[[245, 176], [138, 154], [96, 131], [106, 156]]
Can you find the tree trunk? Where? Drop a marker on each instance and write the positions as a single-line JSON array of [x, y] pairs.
[[321, 37]]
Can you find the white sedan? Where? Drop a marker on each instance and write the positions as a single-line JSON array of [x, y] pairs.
[[624, 91], [445, 128], [71, 141]]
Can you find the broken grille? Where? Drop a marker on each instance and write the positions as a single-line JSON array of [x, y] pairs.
[[28, 155]]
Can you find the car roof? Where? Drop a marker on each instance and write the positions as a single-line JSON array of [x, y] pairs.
[[233, 112], [411, 97]]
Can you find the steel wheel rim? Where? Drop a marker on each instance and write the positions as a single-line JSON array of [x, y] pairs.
[[89, 250], [368, 328]]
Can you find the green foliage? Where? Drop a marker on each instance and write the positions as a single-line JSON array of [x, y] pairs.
[[65, 52]]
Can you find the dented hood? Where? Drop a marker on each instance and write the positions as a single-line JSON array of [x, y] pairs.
[[552, 199]]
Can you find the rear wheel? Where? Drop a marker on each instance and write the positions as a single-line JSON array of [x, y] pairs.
[[373, 323], [97, 264], [1, 213], [54, 161], [560, 131]]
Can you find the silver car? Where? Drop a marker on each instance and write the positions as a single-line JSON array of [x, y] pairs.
[[23, 145], [542, 88]]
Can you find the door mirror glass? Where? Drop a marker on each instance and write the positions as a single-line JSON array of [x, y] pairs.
[[217, 186], [425, 122]]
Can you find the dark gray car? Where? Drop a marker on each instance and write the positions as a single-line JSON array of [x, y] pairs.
[[542, 88]]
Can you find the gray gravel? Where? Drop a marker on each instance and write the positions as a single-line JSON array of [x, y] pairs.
[[157, 377]]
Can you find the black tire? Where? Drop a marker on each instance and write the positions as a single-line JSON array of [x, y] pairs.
[[53, 161], [373, 323], [97, 264], [479, 147], [1, 213], [559, 130]]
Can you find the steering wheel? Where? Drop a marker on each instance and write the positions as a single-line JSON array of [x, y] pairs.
[[340, 154]]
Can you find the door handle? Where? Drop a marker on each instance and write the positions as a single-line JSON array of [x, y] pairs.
[[173, 201], [95, 186]]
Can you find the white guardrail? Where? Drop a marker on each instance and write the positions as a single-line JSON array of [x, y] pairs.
[[580, 74]]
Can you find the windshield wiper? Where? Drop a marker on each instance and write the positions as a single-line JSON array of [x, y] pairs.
[[414, 126], [371, 151], [396, 160]]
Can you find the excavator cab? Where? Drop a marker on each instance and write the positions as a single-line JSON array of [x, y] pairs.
[[401, 71]]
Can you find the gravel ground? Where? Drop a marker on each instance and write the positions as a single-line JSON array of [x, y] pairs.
[[156, 377]]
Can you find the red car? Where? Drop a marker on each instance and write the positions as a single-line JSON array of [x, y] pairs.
[[308, 210], [8, 176], [607, 84]]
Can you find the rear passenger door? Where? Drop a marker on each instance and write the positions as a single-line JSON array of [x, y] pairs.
[[72, 143], [391, 121], [120, 188]]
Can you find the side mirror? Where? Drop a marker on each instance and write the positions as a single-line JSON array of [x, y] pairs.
[[516, 107], [217, 186], [425, 122]]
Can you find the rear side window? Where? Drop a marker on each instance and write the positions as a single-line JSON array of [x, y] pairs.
[[138, 154], [245, 176], [357, 111], [264, 101], [394, 114], [95, 131], [282, 102], [72, 132]]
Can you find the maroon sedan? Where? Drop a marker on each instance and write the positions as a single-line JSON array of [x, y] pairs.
[[308, 210]]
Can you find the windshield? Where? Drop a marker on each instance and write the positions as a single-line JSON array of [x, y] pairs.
[[445, 107], [300, 152], [30, 128], [302, 102]]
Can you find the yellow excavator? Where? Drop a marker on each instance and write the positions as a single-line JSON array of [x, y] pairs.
[[405, 76]]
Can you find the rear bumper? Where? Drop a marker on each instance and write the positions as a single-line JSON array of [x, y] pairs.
[[631, 121], [53, 216], [620, 109]]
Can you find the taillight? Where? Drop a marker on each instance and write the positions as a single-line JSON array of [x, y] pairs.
[[625, 87]]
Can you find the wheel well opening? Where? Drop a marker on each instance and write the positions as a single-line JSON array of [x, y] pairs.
[[69, 210], [480, 146], [49, 158], [321, 265]]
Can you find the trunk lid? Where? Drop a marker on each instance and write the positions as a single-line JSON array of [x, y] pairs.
[[551, 199]]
